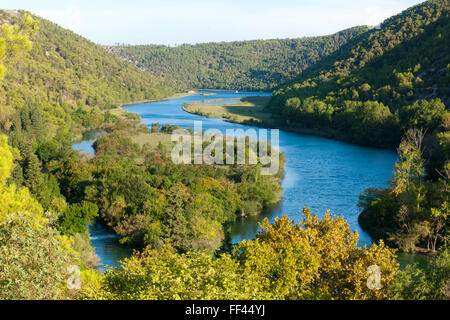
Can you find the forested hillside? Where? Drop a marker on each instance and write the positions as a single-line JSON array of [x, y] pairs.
[[389, 88], [53, 85], [66, 70], [56, 85], [374, 89], [373, 86], [243, 65]]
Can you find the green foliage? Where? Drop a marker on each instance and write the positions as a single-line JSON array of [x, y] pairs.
[[76, 217], [244, 65], [33, 263], [6, 163], [70, 79], [114, 144], [379, 84], [33, 260], [412, 211], [410, 167], [15, 201], [165, 274], [364, 86], [376, 89], [57, 89], [27, 133], [86, 257], [313, 260], [423, 114], [14, 39], [147, 199], [431, 283], [64, 69], [317, 259], [156, 201]]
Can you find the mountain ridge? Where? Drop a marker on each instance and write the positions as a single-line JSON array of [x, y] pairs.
[[71, 66], [237, 65]]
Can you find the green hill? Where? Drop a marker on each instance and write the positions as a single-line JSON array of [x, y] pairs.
[[379, 84], [67, 70], [240, 65], [388, 87], [52, 89]]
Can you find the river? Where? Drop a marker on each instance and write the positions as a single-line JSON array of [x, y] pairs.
[[320, 173]]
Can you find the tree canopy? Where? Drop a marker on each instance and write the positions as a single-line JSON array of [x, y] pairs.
[[241, 65]]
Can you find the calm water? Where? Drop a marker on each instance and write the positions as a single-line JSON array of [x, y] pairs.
[[404, 259], [87, 142], [105, 241], [320, 173], [107, 247]]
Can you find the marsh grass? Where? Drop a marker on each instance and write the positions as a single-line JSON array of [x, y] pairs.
[[244, 110]]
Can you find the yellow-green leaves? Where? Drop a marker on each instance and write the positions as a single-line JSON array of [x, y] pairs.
[[33, 264], [6, 160], [166, 274], [282, 258], [33, 257], [316, 259], [14, 39], [16, 201], [410, 167]]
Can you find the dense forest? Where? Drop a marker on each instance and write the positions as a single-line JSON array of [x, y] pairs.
[[258, 65], [376, 87], [148, 200], [51, 193], [68, 75], [389, 87], [56, 85], [315, 259]]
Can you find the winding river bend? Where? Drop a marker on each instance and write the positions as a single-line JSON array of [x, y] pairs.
[[320, 173]]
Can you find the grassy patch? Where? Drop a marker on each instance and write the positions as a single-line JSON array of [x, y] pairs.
[[250, 109], [152, 140]]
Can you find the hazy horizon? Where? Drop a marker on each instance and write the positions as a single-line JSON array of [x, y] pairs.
[[141, 22]]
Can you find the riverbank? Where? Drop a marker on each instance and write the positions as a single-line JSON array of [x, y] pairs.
[[126, 115], [253, 112], [315, 167], [246, 109], [141, 141], [174, 96]]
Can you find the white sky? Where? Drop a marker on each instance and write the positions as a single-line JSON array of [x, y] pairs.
[[176, 22]]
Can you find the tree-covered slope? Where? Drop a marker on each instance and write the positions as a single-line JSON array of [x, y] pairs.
[[65, 69], [243, 65], [389, 83], [54, 85], [368, 91]]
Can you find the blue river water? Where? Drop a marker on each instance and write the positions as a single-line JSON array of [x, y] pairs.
[[320, 173], [87, 142]]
